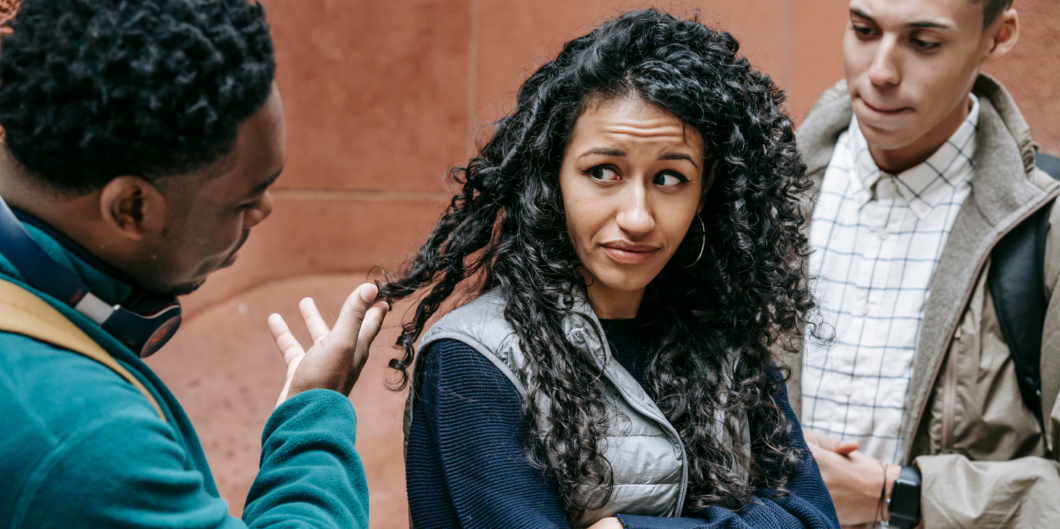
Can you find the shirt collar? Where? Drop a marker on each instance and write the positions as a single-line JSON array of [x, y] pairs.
[[925, 185]]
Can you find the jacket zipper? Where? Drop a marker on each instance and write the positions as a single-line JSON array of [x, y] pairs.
[[949, 400], [953, 330]]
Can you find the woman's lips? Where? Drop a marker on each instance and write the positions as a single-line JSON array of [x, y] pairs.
[[630, 253]]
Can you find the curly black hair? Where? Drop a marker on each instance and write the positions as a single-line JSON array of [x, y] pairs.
[[507, 230], [94, 89]]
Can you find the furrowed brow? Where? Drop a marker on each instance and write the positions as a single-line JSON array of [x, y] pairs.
[[678, 156], [603, 151]]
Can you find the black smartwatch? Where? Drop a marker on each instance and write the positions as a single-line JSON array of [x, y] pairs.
[[904, 505]]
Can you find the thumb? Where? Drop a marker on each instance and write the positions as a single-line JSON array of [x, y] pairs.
[[835, 445], [351, 316], [845, 448]]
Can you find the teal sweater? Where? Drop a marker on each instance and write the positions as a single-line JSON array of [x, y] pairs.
[[81, 447]]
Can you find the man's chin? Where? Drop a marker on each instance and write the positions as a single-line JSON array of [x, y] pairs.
[[185, 289], [231, 260], [886, 138]]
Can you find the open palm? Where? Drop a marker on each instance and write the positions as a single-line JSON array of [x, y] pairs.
[[335, 359]]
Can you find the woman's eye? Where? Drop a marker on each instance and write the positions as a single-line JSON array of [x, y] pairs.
[[669, 179], [603, 173]]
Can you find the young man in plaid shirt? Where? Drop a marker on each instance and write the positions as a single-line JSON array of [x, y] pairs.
[[923, 164]]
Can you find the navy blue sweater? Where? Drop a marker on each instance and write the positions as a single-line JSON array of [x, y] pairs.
[[466, 466]]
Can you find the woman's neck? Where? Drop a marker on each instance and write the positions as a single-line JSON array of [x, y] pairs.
[[611, 304]]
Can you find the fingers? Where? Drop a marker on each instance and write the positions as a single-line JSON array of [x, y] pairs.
[[373, 321], [348, 325], [835, 445], [607, 523], [846, 448], [318, 328], [828, 443], [285, 341]]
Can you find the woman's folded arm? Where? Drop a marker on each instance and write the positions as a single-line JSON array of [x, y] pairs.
[[807, 503], [466, 462]]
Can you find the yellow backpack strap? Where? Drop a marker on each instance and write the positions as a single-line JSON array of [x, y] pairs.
[[22, 312]]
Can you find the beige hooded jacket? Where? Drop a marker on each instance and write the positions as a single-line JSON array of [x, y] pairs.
[[984, 459]]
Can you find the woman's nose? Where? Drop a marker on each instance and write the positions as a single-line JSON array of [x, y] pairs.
[[635, 216]]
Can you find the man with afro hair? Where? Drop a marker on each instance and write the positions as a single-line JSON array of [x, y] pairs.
[[141, 137]]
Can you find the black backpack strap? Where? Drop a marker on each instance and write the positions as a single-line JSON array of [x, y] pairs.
[[1017, 284]]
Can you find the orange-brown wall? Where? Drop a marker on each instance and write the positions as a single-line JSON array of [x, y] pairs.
[[381, 97]]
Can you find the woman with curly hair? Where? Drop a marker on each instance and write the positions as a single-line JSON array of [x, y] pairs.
[[631, 237]]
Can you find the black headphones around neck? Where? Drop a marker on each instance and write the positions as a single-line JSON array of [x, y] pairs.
[[145, 326]]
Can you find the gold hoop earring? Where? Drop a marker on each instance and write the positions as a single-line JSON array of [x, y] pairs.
[[702, 245]]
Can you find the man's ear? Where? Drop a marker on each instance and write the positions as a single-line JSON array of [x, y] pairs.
[[132, 207], [1001, 36], [707, 184]]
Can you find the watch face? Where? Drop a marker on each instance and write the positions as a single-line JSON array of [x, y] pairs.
[[904, 505], [900, 492]]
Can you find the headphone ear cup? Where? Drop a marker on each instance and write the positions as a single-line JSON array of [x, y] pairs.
[[144, 334], [145, 324]]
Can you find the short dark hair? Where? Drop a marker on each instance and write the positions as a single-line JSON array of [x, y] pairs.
[[94, 89], [992, 9]]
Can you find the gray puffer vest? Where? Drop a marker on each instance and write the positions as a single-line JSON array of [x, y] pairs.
[[644, 450]]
